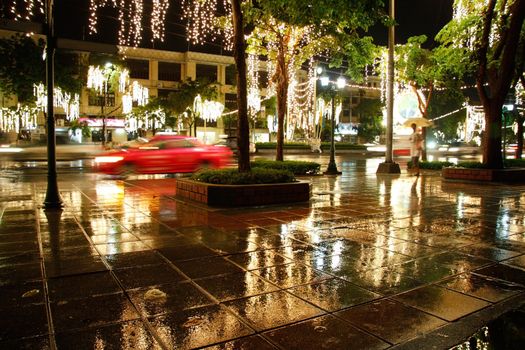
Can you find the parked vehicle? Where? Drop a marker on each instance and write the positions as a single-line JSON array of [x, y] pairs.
[[172, 155]]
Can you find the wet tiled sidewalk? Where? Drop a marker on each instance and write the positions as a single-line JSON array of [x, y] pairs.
[[371, 262]]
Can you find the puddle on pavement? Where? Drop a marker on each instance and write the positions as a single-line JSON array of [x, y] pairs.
[[504, 333]]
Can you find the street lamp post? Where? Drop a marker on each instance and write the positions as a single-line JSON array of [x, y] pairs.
[[332, 166], [52, 199]]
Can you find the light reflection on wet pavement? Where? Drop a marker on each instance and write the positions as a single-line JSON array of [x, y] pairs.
[[372, 261]]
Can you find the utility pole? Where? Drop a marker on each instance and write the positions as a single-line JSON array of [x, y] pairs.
[[389, 167]]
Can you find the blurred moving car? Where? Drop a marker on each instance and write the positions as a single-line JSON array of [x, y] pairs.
[[172, 155], [231, 142]]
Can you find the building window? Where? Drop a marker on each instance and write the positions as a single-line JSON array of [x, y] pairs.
[[207, 72], [100, 100], [230, 101], [138, 69], [231, 75], [169, 71], [164, 93]]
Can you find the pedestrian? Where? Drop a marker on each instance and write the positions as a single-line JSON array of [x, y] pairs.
[[416, 145]]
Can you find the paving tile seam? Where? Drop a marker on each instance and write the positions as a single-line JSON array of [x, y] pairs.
[[143, 319], [49, 313], [454, 333]]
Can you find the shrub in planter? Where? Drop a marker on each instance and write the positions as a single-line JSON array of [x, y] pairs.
[[507, 163], [234, 177], [293, 166], [514, 163], [434, 165], [471, 165]]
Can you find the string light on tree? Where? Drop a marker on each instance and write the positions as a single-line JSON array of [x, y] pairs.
[[16, 118], [70, 104], [29, 7], [160, 8], [200, 18]]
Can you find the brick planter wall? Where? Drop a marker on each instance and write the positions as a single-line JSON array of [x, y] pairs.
[[487, 175], [242, 195]]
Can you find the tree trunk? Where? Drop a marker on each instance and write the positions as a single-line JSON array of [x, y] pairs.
[[282, 97], [239, 53], [492, 157]]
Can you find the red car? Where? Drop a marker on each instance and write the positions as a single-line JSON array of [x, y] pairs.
[[171, 155]]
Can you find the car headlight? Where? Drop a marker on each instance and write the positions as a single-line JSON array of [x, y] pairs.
[[108, 159]]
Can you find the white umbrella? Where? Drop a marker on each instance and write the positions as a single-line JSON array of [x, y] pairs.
[[419, 121]]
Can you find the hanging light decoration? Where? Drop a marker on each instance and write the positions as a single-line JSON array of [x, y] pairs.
[[200, 18], [69, 103], [158, 17], [13, 119], [130, 14], [207, 110], [30, 7], [254, 97]]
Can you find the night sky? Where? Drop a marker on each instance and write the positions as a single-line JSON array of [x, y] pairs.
[[415, 17]]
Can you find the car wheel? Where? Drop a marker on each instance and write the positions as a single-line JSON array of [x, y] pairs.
[[126, 170]]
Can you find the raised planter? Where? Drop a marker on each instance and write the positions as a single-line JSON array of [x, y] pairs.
[[484, 175], [243, 195]]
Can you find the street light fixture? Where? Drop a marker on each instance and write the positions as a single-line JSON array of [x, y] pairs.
[[340, 84]]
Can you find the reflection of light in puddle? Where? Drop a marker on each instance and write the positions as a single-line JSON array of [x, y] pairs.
[[110, 192], [335, 262]]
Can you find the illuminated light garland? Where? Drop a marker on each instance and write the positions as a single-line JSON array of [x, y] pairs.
[[207, 110], [130, 14], [139, 93], [29, 7], [160, 8], [12, 119], [200, 18], [70, 104], [146, 120], [254, 97], [474, 124], [98, 79]]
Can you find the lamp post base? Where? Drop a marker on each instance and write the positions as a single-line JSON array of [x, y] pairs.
[[332, 170], [388, 168]]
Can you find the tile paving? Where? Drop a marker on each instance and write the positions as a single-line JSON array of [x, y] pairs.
[[371, 262]]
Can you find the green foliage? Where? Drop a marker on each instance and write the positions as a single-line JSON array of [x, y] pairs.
[[295, 167], [415, 64], [83, 126], [21, 66], [443, 103], [508, 163], [471, 165], [303, 145], [434, 165], [514, 163], [234, 177], [371, 121], [180, 102]]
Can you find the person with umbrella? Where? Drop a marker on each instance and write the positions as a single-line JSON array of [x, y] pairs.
[[416, 145]]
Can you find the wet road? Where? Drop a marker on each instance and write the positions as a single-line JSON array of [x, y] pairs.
[[371, 262]]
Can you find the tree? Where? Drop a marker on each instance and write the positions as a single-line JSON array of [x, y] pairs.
[[21, 67], [443, 102], [290, 32], [483, 40], [181, 102], [371, 119]]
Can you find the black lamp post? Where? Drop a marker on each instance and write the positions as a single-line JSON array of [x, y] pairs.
[[340, 84], [52, 199]]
